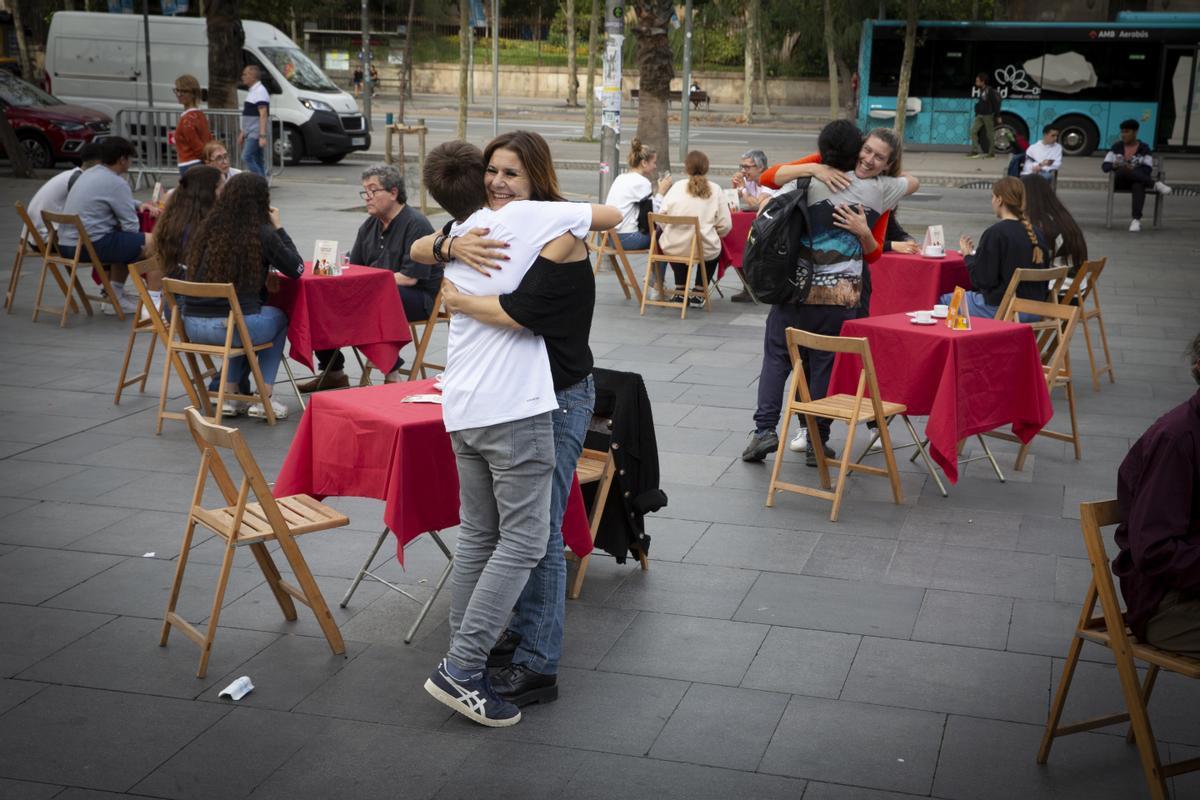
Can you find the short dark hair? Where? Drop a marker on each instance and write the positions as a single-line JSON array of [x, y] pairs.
[[89, 152], [1194, 356], [1130, 125], [839, 143], [1048, 128], [114, 148], [454, 175], [983, 76]]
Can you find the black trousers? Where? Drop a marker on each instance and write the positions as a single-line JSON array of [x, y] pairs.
[[417, 305], [777, 364], [680, 270], [1136, 182]]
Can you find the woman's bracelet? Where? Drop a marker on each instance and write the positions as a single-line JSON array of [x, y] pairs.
[[450, 248], [437, 248]]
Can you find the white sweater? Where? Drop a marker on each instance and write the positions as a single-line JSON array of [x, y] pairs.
[[712, 212], [624, 194]]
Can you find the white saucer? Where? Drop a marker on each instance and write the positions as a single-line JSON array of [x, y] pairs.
[[940, 316], [915, 321]]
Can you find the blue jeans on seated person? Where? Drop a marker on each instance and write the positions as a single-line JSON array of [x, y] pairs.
[[268, 325], [978, 307], [540, 610], [116, 247], [634, 241]]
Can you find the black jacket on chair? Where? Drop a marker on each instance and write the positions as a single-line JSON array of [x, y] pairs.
[[621, 396]]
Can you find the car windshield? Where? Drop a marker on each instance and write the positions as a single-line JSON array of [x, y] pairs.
[[298, 69], [17, 92]]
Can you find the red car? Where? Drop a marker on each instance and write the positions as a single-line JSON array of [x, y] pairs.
[[49, 129]]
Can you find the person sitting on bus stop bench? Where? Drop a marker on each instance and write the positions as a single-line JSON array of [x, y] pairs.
[[1133, 164], [1044, 158]]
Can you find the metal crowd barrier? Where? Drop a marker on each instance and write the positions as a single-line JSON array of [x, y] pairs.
[[151, 131]]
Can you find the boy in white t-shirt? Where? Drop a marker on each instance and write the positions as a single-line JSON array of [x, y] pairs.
[[498, 397]]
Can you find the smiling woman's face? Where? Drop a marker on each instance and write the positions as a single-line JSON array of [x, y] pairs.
[[506, 179]]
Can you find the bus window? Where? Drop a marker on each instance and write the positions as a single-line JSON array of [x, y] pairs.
[[886, 55], [1133, 71], [952, 73]]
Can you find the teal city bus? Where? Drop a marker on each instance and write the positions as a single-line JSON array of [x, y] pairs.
[[1085, 77]]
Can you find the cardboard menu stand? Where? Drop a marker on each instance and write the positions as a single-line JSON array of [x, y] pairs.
[[935, 241], [959, 316], [325, 258]]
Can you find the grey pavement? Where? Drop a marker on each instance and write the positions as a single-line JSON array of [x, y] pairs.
[[904, 651]]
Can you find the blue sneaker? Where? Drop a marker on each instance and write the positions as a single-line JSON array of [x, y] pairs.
[[473, 698]]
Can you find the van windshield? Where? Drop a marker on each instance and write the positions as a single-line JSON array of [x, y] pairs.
[[298, 69]]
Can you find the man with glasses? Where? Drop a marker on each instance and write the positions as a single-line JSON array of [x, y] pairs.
[[751, 193], [384, 240]]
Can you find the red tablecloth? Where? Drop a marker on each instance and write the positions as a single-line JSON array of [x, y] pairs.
[[966, 382], [901, 282], [367, 443], [733, 245], [360, 307], [146, 221]]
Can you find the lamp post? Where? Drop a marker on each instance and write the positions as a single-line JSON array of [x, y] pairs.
[[610, 133], [686, 95]]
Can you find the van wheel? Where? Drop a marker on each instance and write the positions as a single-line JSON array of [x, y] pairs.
[[289, 147], [37, 151], [1077, 135]]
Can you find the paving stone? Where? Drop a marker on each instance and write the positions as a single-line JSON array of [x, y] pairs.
[[1096, 691], [721, 727], [589, 633], [978, 528], [976, 569], [607, 777], [689, 440], [27, 790], [832, 605], [28, 633], [686, 648], [697, 470], [673, 539], [831, 791], [852, 558], [503, 767], [54, 524], [258, 610], [158, 532], [1051, 535], [805, 662], [754, 548], [685, 589], [937, 677], [65, 735], [865, 745], [13, 693], [1071, 578], [1046, 628], [971, 620], [32, 575]]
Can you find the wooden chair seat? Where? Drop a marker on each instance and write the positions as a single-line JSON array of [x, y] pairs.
[[842, 407], [1056, 276], [694, 261], [302, 513], [85, 256]]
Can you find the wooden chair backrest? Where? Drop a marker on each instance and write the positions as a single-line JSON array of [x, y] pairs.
[[662, 220], [1031, 275], [1055, 340], [173, 288], [1083, 285], [1092, 517], [137, 271], [53, 221], [32, 235], [868, 384]]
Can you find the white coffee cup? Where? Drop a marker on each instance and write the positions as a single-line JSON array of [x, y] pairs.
[[935, 251], [941, 311], [924, 317]]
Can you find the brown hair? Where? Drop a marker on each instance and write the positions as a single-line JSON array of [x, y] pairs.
[[225, 247], [696, 165], [889, 137], [210, 148], [454, 174], [640, 153], [186, 209], [535, 158], [1011, 192], [189, 84], [1046, 211]]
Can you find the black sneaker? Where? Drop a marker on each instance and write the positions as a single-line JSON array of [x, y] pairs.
[[696, 302], [761, 445], [810, 455], [474, 698], [502, 652], [521, 686]]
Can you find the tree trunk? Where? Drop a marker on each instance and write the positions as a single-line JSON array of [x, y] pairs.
[[831, 61], [762, 75], [572, 67], [655, 71], [405, 68], [22, 45], [225, 40], [748, 72], [14, 151], [464, 57], [910, 46], [589, 117]]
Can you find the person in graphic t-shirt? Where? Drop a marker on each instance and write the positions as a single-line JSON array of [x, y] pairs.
[[253, 136], [1131, 161]]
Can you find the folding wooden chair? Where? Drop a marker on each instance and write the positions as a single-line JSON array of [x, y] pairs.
[[422, 335], [608, 243], [1109, 630], [694, 260], [1084, 286], [1057, 324], [144, 322], [85, 254], [31, 243], [242, 522], [1057, 275], [595, 466], [845, 407], [179, 344]]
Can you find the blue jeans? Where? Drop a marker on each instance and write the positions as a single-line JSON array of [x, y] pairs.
[[976, 305], [268, 325], [540, 610], [252, 157], [634, 241]]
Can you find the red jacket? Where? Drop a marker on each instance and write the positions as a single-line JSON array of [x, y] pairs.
[[191, 134]]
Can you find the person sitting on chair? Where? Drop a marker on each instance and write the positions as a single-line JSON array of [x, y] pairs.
[[701, 198], [52, 196], [1044, 158], [1158, 490], [1131, 161]]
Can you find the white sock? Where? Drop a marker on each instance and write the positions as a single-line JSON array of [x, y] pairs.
[[118, 288], [155, 297]]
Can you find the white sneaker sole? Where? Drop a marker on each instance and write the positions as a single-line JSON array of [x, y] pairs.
[[445, 699], [263, 415]]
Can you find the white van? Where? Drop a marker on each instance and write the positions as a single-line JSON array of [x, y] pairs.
[[98, 60]]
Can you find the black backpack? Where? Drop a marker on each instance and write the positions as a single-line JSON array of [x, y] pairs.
[[645, 207], [777, 266]]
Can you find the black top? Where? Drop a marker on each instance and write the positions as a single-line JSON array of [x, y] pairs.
[[388, 248], [556, 301], [988, 104], [277, 252], [1002, 249]]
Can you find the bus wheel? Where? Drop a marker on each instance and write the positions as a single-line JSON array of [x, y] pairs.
[[1007, 131], [1077, 135]]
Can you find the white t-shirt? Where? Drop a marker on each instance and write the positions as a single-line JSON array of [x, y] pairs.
[[494, 374], [1038, 152], [51, 197], [624, 194]]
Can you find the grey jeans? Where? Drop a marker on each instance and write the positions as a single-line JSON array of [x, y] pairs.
[[504, 475]]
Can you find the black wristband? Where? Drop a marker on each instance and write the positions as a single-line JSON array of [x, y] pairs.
[[437, 248]]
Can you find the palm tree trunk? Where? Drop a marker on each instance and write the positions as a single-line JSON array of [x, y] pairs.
[[831, 59], [572, 67], [406, 68], [748, 72], [655, 71], [225, 40], [910, 45], [464, 57], [22, 45], [589, 117]]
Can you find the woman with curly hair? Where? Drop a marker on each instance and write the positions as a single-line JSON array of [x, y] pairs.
[[186, 208], [240, 241]]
